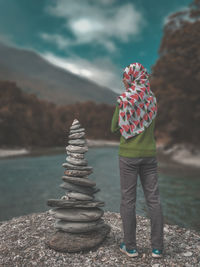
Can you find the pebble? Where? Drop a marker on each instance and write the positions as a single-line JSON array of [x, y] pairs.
[[187, 254], [77, 188], [76, 167], [75, 127], [77, 215], [77, 131], [75, 161], [75, 122], [78, 227], [74, 203], [77, 149], [77, 142], [76, 155], [79, 196], [82, 162], [166, 229], [76, 135], [79, 181], [77, 173]]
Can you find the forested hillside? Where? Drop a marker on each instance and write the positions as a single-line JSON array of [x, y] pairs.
[[176, 78], [27, 121]]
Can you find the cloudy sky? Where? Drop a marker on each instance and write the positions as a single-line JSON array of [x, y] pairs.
[[92, 38]]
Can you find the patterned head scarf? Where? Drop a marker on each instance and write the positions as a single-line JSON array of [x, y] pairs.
[[137, 105]]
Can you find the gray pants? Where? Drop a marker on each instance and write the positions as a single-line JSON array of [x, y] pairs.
[[146, 167]]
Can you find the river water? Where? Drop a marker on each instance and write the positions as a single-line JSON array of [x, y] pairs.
[[27, 182]]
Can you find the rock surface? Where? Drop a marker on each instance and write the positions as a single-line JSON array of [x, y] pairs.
[[78, 188], [75, 126], [77, 215], [78, 168], [76, 203], [67, 242], [77, 149], [77, 161], [79, 196], [81, 130], [24, 243], [75, 155], [78, 227], [76, 135], [77, 172], [77, 142], [79, 181]]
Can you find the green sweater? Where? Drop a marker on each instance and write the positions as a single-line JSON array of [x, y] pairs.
[[140, 145]]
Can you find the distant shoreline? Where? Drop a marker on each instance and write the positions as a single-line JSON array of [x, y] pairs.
[[187, 155], [101, 142], [184, 154], [4, 153]]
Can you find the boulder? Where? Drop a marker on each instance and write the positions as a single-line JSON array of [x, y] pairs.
[[68, 242]]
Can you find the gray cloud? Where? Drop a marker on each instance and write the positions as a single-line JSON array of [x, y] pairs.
[[102, 22], [101, 70]]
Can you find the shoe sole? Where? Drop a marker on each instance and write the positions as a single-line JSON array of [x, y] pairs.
[[156, 256], [130, 255]]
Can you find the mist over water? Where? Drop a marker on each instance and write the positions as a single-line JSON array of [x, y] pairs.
[[27, 182]]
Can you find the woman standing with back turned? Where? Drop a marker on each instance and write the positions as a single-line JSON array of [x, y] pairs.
[[134, 118]]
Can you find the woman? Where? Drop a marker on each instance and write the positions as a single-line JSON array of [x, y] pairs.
[[134, 118]]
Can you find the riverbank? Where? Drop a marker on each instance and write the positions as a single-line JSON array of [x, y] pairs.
[[184, 154], [100, 143], [13, 152], [4, 152], [23, 244]]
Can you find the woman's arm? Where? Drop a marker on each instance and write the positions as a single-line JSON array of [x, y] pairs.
[[114, 124]]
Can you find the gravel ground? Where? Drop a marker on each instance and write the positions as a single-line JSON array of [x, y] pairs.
[[23, 244]]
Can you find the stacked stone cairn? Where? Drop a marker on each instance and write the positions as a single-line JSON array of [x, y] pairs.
[[78, 214]]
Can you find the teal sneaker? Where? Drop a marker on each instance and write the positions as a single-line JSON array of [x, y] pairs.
[[129, 252], [157, 253]]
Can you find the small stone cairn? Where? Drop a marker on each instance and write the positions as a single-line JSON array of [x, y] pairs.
[[78, 216]]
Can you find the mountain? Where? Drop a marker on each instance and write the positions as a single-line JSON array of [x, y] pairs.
[[176, 78], [34, 74]]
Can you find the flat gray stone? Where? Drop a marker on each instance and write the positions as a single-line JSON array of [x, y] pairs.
[[75, 122], [77, 188], [77, 131], [61, 203], [77, 173], [75, 127], [67, 242], [81, 162], [77, 215], [77, 167], [77, 142], [77, 149], [79, 196], [76, 135], [76, 155], [79, 181], [78, 227]]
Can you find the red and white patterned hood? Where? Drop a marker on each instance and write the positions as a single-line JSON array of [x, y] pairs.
[[138, 105]]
